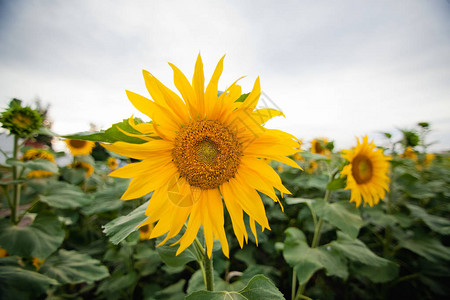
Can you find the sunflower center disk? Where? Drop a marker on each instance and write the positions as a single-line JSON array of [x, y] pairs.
[[206, 153], [77, 143], [362, 169]]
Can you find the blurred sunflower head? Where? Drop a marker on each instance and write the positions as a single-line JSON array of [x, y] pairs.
[[79, 147], [319, 146], [112, 163], [33, 154], [312, 166], [3, 252], [19, 120], [204, 151], [367, 172], [409, 153], [297, 156], [145, 231], [81, 165]]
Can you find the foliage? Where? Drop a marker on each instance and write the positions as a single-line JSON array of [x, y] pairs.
[[72, 238]]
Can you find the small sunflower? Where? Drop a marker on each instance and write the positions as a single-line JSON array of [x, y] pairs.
[[79, 147], [409, 153], [298, 157], [312, 166], [33, 154], [204, 151], [84, 166], [112, 163], [367, 173], [3, 252], [145, 231], [20, 120], [318, 146]]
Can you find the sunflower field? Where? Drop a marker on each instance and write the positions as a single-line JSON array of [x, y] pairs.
[[202, 201]]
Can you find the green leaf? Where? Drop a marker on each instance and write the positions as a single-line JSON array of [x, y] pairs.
[[73, 267], [110, 135], [377, 274], [306, 261], [337, 184], [118, 229], [73, 176], [168, 253], [356, 250], [64, 195], [147, 260], [106, 200], [259, 287], [436, 223], [343, 215], [40, 239], [427, 247], [37, 164], [173, 291], [242, 97], [18, 284]]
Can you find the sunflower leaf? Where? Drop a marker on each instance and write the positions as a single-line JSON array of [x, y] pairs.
[[259, 287], [438, 224], [426, 246], [306, 261], [343, 215], [73, 267], [65, 196], [356, 250], [118, 229], [36, 164], [39, 239], [110, 135], [14, 280]]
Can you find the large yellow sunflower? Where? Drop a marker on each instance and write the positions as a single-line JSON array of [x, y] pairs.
[[79, 147], [367, 173], [203, 148]]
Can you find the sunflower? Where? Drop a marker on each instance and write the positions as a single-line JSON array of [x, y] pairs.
[[409, 153], [80, 165], [3, 252], [145, 231], [33, 154], [318, 146], [79, 147], [112, 163], [204, 148], [367, 173]]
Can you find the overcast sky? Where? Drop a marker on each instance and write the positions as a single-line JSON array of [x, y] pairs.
[[337, 69]]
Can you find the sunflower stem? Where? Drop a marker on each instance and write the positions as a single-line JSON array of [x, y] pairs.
[[316, 239], [294, 282], [209, 272], [16, 191]]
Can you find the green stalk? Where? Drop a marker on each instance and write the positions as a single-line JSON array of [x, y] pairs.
[[16, 191], [316, 237], [294, 282], [209, 272], [206, 266]]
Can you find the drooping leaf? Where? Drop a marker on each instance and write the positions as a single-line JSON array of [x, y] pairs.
[[337, 184], [259, 287], [18, 284], [39, 239], [73, 267], [63, 195], [118, 229], [106, 200], [306, 261], [110, 135], [356, 250], [37, 164], [343, 215], [377, 274], [168, 252], [436, 223], [427, 246]]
